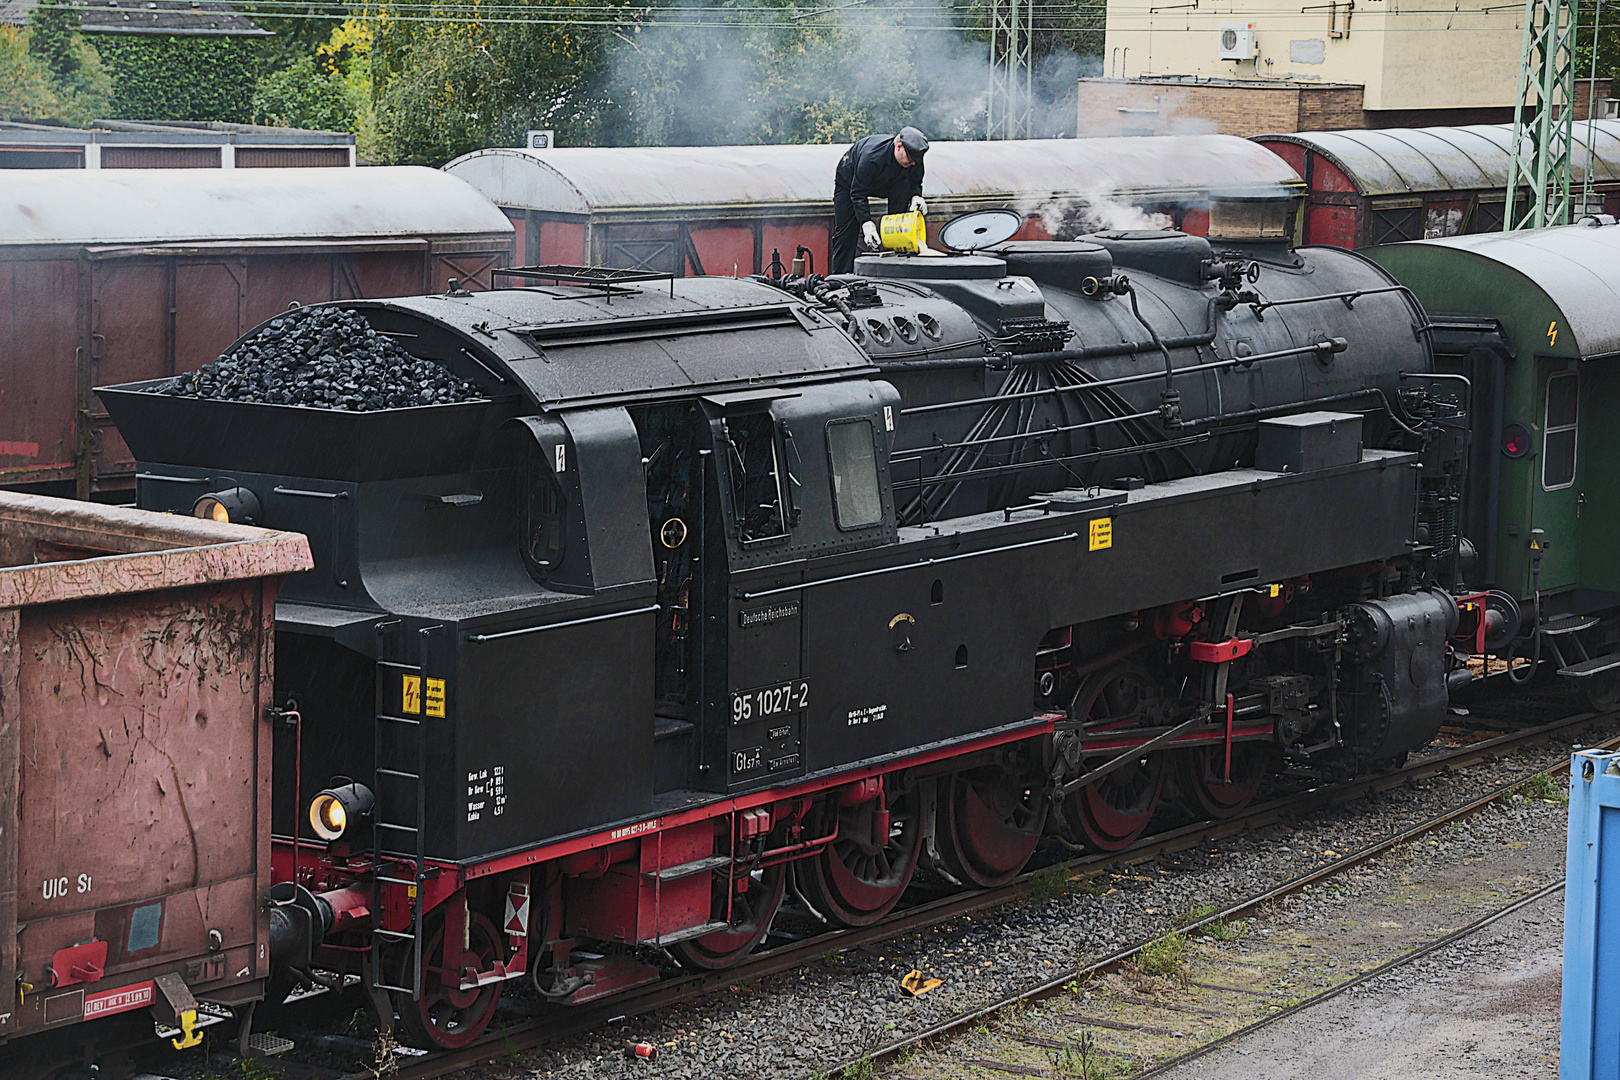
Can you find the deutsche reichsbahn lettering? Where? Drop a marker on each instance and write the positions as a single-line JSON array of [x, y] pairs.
[[774, 613]]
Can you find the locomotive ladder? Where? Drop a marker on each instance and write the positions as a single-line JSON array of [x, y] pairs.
[[399, 730]]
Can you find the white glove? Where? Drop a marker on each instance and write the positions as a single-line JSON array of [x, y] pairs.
[[919, 204], [869, 233]]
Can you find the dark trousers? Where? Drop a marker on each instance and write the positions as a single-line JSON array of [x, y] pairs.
[[846, 234]]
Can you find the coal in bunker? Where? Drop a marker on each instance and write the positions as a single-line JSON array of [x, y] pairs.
[[328, 358]]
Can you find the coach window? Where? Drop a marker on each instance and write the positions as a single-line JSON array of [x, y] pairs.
[[856, 496], [1558, 439], [758, 477]]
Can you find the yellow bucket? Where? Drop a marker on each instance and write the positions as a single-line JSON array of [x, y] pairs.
[[904, 232]]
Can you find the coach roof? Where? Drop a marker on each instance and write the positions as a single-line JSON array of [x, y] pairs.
[[165, 206]]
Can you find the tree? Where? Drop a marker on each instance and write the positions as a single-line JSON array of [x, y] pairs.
[[26, 92], [462, 81], [301, 95], [82, 87]]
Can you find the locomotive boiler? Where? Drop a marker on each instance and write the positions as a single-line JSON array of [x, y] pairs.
[[720, 591]]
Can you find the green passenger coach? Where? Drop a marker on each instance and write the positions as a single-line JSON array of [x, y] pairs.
[[1532, 319]]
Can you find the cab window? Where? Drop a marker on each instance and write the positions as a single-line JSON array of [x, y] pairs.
[[1558, 439], [758, 478], [857, 500]]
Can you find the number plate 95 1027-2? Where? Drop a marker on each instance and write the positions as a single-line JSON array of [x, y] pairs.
[[769, 701]]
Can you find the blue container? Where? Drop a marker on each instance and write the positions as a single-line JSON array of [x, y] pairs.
[[1591, 1018]]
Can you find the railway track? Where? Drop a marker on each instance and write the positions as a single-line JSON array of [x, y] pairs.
[[561, 1024], [1052, 987]]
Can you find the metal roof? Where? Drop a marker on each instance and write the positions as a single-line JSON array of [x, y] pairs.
[[1574, 266], [1404, 161], [134, 206], [161, 17], [569, 344], [166, 132], [589, 180]]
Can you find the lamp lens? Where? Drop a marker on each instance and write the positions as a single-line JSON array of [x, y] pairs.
[[328, 817], [210, 508]]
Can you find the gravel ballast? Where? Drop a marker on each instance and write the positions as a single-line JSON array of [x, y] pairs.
[[802, 1023]]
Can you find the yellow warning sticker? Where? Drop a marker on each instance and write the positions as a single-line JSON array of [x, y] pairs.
[[410, 697], [1102, 533], [435, 697], [1552, 333]]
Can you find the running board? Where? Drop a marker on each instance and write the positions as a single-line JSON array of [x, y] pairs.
[[689, 933], [1595, 666], [699, 866], [1569, 624]]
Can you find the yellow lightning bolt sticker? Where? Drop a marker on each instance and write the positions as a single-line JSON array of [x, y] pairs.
[[1552, 333]]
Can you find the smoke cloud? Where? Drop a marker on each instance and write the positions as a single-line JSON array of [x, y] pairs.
[[759, 72], [1095, 210]]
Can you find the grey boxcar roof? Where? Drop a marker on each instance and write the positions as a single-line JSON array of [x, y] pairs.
[[588, 180], [569, 344], [1576, 266], [1403, 161], [143, 206]]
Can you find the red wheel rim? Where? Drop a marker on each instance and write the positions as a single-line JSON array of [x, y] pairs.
[[990, 820], [1201, 777], [751, 914], [446, 1016], [855, 880], [1114, 811]]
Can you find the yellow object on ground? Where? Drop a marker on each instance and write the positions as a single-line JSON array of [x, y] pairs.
[[916, 983], [904, 232]]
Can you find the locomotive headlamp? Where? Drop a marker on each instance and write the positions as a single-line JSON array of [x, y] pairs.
[[238, 505], [333, 809]]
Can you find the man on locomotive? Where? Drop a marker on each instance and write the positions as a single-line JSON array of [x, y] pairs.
[[889, 166]]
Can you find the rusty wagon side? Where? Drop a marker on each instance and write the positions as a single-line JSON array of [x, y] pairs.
[[115, 275], [136, 654]]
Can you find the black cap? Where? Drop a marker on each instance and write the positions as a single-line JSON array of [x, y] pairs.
[[915, 142]]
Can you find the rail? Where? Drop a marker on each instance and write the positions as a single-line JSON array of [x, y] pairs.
[[529, 1034]]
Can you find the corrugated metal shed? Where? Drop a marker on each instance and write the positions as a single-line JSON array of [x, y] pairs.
[[139, 206], [596, 180], [1572, 265], [1404, 161]]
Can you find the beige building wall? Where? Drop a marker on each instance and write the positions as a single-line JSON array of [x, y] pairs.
[[1462, 58]]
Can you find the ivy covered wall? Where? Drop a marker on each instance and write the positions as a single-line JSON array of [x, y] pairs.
[[181, 78]]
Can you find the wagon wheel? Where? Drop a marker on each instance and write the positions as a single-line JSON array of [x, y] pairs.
[[990, 819], [858, 878], [447, 1017], [1201, 777], [1602, 691], [751, 913], [1112, 812]]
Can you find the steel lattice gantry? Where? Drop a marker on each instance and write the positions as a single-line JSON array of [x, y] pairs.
[[1543, 118], [1012, 30]]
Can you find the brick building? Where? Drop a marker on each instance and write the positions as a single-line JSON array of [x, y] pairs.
[[1281, 67]]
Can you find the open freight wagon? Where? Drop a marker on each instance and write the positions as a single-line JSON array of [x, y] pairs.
[[136, 654]]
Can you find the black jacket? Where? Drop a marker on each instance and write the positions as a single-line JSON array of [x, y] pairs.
[[868, 170]]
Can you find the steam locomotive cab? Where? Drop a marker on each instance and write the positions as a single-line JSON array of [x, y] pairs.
[[717, 584]]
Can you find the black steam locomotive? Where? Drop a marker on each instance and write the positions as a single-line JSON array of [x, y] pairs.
[[724, 589]]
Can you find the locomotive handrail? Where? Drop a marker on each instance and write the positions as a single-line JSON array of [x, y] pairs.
[[1068, 459], [1328, 345], [907, 566], [569, 622], [906, 457], [1259, 307]]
